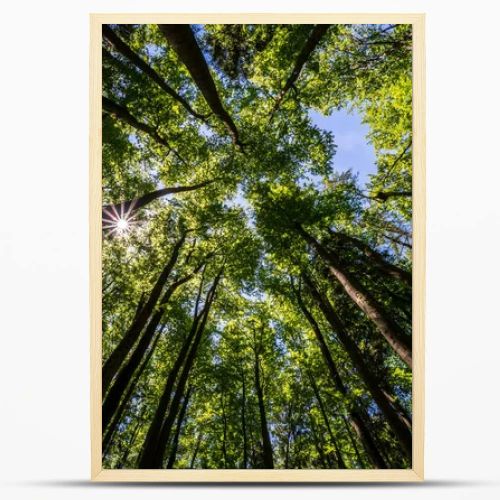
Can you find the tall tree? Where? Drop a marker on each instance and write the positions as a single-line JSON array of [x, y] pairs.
[[358, 416], [134, 58], [390, 330], [267, 449], [312, 42], [397, 424], [117, 357], [183, 41]]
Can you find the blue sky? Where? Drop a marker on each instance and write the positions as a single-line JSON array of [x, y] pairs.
[[353, 150]]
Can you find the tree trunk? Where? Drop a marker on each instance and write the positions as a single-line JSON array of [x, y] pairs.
[[312, 42], [338, 454], [289, 434], [392, 333], [352, 439], [377, 258], [180, 420], [123, 377], [117, 357], [155, 426], [385, 195], [107, 439], [183, 41], [123, 460], [267, 450], [195, 452], [122, 113], [154, 450], [134, 58], [224, 429], [356, 413], [243, 421], [318, 445], [125, 209], [394, 420]]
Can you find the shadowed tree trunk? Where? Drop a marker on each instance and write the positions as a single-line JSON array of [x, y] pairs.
[[243, 420], [195, 452], [119, 385], [394, 420], [338, 455], [161, 409], [152, 458], [352, 439], [122, 113], [267, 450], [376, 258], [115, 360], [318, 445], [224, 428], [289, 434], [385, 195], [123, 460], [183, 41], [134, 58], [312, 42], [180, 421], [393, 334], [127, 208], [108, 436], [358, 416]]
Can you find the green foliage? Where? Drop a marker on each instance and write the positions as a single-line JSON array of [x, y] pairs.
[[246, 222]]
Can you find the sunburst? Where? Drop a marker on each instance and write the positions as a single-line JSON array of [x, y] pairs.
[[118, 223]]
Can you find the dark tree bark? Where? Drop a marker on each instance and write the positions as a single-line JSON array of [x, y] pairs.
[[122, 113], [391, 331], [358, 415], [338, 455], [289, 434], [318, 445], [155, 426], [393, 418], [134, 58], [117, 357], [152, 456], [352, 439], [267, 450], [125, 209], [123, 377], [178, 430], [402, 412], [183, 41], [123, 460], [108, 436], [224, 429], [195, 452], [312, 42], [243, 420], [376, 258], [385, 195]]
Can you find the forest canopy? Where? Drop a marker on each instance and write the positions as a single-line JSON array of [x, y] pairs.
[[256, 305]]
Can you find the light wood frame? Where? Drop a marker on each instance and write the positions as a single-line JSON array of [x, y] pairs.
[[416, 473]]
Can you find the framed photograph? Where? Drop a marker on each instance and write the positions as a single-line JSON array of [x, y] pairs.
[[257, 247]]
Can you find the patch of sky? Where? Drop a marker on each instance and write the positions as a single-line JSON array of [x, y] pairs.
[[153, 50], [132, 138], [354, 152], [205, 131], [239, 201]]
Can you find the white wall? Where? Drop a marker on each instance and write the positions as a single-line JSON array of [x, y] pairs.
[[43, 249]]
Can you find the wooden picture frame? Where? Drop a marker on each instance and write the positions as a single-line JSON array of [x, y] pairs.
[[416, 473]]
